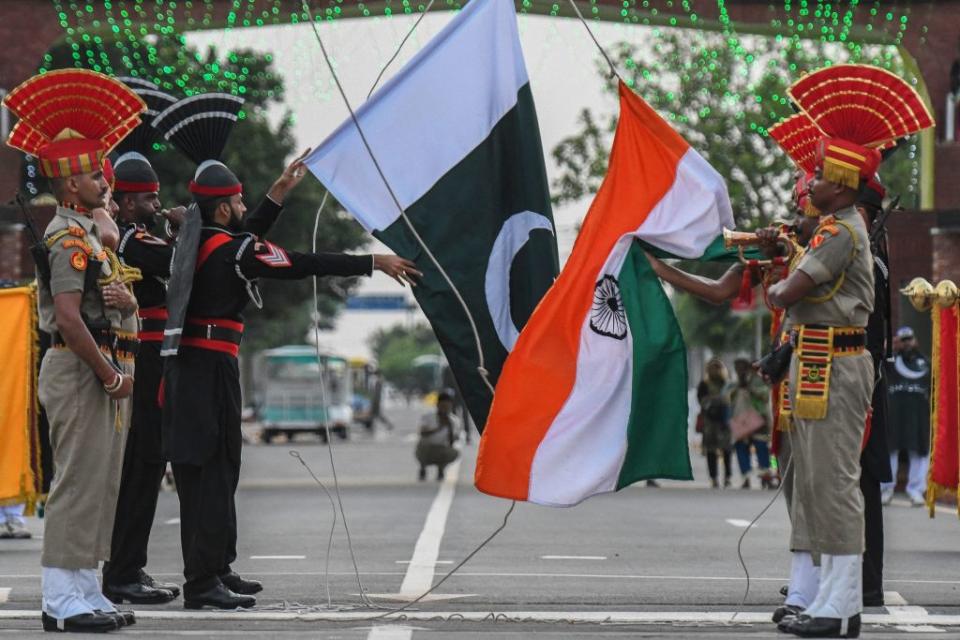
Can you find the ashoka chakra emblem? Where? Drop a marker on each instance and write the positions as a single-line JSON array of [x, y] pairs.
[[607, 316]]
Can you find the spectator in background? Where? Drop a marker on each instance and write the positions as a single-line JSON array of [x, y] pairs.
[[438, 433], [750, 421], [715, 414], [12, 523], [909, 410]]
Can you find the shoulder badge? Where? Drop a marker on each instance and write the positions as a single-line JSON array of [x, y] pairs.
[[77, 232], [148, 238], [71, 243], [271, 255], [78, 260]]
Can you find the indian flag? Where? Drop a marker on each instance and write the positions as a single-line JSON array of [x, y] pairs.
[[455, 133], [593, 396]]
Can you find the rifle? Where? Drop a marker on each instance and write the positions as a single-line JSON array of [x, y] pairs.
[[38, 250], [880, 223]]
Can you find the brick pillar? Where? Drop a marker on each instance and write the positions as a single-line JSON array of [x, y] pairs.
[[946, 253], [11, 250]]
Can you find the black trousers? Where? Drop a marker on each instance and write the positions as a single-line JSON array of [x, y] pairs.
[[873, 527], [208, 519], [141, 475]]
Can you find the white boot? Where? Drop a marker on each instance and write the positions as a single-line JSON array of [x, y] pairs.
[[804, 580], [823, 590]]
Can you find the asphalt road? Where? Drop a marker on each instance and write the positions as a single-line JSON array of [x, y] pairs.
[[641, 563]]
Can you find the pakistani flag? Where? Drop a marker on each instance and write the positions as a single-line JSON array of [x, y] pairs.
[[455, 134]]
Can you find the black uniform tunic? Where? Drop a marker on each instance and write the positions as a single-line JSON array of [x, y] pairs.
[[201, 394], [143, 462]]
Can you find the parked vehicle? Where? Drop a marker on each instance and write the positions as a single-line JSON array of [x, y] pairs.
[[298, 392]]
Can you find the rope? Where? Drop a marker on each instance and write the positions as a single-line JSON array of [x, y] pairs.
[[743, 563], [397, 52], [481, 365], [613, 67]]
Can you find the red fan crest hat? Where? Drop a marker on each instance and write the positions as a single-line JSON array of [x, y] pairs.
[[860, 109], [71, 118], [799, 136]]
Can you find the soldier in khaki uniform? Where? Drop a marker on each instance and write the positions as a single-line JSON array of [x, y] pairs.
[[828, 298], [86, 375]]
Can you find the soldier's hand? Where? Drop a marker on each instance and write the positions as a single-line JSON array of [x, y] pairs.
[[290, 178], [117, 296], [125, 390], [176, 216], [767, 238], [400, 269]]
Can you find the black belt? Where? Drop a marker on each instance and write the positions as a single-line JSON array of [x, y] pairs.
[[104, 338], [843, 339], [212, 332]]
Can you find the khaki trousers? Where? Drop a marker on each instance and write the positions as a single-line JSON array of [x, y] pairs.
[[826, 461], [87, 459]]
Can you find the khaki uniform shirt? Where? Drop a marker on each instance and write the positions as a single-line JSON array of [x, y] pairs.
[[69, 257], [833, 254]]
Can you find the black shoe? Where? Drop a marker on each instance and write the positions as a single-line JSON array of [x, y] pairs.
[[81, 623], [124, 618], [147, 579], [786, 611], [873, 599], [807, 627], [784, 590], [237, 584], [136, 593], [219, 597], [422, 474]]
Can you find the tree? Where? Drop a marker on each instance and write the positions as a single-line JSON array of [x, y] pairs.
[[397, 349], [257, 152], [720, 98]]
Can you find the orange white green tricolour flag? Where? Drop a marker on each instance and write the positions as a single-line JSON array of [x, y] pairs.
[[593, 396]]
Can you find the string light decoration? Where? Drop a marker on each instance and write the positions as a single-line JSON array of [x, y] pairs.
[[122, 37]]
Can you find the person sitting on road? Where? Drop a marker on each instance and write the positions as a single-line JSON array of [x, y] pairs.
[[438, 433]]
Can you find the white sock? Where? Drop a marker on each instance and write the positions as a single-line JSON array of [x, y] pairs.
[[90, 587], [804, 580], [844, 598]]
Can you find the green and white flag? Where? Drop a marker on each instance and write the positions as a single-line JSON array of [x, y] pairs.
[[455, 134]]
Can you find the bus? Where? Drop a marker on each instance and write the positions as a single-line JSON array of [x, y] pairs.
[[297, 392]]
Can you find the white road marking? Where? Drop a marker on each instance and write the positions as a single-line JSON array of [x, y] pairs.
[[430, 597], [391, 633], [4, 594], [743, 524], [420, 571], [278, 557], [172, 521], [893, 599], [920, 628], [437, 562], [573, 557], [595, 617]]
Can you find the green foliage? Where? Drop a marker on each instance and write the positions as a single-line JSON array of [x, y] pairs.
[[257, 151], [396, 348]]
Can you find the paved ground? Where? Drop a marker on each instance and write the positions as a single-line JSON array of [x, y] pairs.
[[643, 563]]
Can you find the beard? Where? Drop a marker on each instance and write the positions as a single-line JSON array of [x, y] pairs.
[[235, 224]]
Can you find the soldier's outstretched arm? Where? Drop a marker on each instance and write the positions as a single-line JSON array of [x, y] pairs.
[[267, 260], [713, 291], [261, 220]]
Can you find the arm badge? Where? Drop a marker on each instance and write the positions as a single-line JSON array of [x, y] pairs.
[[78, 260], [271, 255]]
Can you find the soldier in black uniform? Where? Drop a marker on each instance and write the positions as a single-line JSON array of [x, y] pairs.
[[875, 458], [215, 273], [137, 196]]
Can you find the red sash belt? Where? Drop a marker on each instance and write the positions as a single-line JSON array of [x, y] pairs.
[[153, 320], [214, 334]]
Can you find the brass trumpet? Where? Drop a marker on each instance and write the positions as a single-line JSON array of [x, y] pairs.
[[743, 239]]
